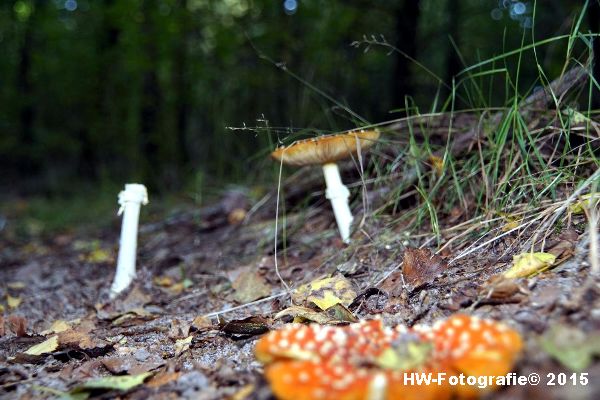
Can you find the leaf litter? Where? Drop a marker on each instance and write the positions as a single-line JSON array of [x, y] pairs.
[[196, 340]]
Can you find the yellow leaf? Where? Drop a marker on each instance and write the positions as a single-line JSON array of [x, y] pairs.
[[182, 345], [576, 116], [528, 264], [438, 163], [97, 256], [123, 382], [510, 226], [60, 325], [325, 293], [164, 281], [243, 393], [47, 346], [13, 302], [585, 202], [16, 285]]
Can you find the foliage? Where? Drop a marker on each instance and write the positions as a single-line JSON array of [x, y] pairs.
[[113, 91]]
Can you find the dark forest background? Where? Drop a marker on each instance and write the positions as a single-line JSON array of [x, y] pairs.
[[114, 91]]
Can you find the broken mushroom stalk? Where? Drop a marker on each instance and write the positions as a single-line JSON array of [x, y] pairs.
[[130, 201], [368, 361], [326, 151]]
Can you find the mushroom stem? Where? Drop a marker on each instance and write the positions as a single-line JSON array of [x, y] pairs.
[[338, 194], [130, 200]]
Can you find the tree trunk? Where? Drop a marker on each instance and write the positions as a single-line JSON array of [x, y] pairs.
[[151, 103], [26, 162], [453, 64], [407, 22], [181, 84]]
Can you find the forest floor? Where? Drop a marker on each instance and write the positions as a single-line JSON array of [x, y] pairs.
[[196, 265]]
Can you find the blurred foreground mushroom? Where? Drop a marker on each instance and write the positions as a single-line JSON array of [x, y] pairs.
[[326, 151], [130, 201], [368, 361]]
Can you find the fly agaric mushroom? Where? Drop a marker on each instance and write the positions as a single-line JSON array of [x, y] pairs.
[[326, 151], [369, 361]]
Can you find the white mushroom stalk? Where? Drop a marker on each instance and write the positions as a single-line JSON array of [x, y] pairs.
[[130, 201], [338, 194]]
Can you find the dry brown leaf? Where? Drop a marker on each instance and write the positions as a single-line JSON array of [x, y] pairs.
[[421, 266], [250, 286], [17, 325], [202, 323], [163, 378], [500, 289]]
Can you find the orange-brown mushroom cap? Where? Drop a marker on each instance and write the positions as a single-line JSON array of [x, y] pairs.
[[325, 149]]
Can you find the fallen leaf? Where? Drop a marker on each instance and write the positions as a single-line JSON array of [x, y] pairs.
[[337, 314], [243, 393], [163, 281], [202, 323], [301, 314], [325, 293], [584, 203], [182, 345], [509, 226], [47, 346], [80, 340], [577, 118], [136, 313], [178, 329], [500, 289], [60, 325], [13, 302], [421, 266], [572, 347], [529, 264], [437, 163], [236, 216], [123, 383], [254, 325], [250, 286], [17, 325], [139, 363], [564, 248], [16, 285], [162, 378], [98, 256]]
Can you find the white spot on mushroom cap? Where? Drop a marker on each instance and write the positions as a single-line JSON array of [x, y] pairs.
[[465, 337], [488, 336], [303, 377], [475, 324], [377, 387], [300, 334]]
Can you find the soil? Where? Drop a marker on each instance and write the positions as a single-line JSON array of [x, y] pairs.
[[187, 270]]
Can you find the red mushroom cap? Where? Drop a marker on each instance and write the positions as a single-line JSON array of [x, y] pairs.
[[367, 360]]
